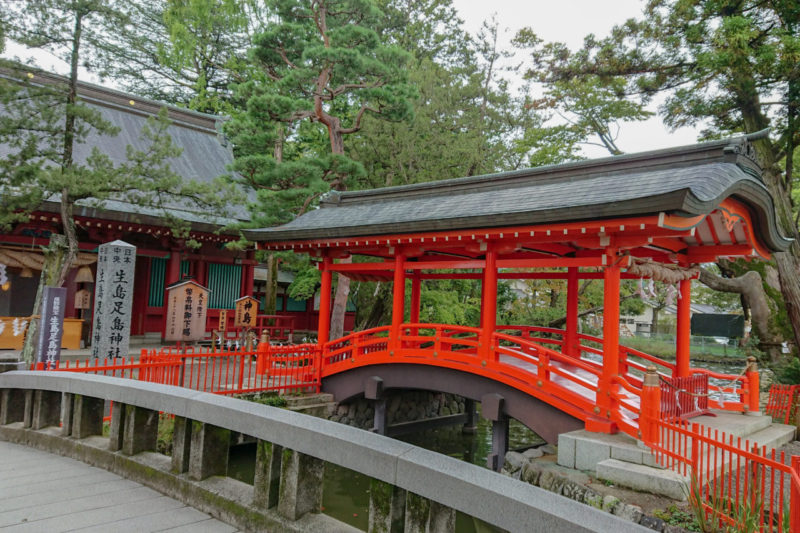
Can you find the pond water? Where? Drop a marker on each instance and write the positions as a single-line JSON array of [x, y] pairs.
[[345, 494]]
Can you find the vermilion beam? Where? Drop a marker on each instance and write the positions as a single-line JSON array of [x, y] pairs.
[[416, 283], [611, 282], [489, 304], [683, 333], [324, 302], [571, 340], [398, 298]]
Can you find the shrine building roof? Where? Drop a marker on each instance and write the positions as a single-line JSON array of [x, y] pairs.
[[683, 182], [205, 153]]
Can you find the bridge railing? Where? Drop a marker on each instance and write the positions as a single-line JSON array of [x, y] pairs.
[[283, 369], [290, 456]]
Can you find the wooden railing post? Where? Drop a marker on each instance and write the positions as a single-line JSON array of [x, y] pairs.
[[794, 498], [753, 388], [262, 354], [650, 407]]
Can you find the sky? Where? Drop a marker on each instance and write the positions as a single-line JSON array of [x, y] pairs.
[[566, 21]]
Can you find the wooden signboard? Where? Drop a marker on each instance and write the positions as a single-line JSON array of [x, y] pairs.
[[83, 299], [223, 320], [187, 306], [246, 312]]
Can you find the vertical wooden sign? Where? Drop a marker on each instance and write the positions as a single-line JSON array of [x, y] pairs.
[[187, 307], [51, 327], [113, 299], [223, 320]]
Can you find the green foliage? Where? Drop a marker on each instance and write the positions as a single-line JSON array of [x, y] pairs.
[[789, 372], [674, 516], [265, 398]]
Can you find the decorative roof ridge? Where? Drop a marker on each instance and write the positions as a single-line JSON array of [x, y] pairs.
[[736, 150]]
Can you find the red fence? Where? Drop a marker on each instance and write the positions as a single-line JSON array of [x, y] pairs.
[[783, 403], [284, 369], [737, 485], [684, 397]]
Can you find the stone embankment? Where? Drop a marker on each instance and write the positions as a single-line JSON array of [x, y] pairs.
[[401, 407], [537, 467]]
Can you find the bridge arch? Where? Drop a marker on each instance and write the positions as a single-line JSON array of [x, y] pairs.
[[542, 418]]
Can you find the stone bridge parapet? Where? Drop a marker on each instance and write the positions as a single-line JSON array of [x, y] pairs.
[[412, 489]]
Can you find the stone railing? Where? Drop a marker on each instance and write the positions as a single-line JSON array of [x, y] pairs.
[[412, 489]]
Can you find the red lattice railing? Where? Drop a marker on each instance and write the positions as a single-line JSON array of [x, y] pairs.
[[783, 403]]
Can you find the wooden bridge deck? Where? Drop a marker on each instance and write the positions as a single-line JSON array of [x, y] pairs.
[[40, 491]]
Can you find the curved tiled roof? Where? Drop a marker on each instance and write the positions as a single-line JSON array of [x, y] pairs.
[[685, 181]]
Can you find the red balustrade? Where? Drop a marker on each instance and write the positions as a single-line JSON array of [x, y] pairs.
[[782, 404]]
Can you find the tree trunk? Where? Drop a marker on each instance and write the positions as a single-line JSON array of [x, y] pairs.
[[271, 289], [751, 287], [54, 257], [340, 304]]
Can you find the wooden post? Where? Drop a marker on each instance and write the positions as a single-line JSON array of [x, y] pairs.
[[571, 343], [324, 303], [488, 304], [651, 407], [684, 319], [416, 283], [173, 274], [611, 281], [398, 300], [753, 387], [794, 498], [263, 354]]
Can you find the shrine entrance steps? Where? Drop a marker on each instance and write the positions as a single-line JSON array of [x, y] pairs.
[[623, 461]]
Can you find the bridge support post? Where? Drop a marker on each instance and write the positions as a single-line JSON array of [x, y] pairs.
[[87, 416], [117, 428], [27, 418], [387, 507], [12, 408], [492, 409], [208, 455], [46, 409], [423, 514], [181, 444], [141, 430], [471, 424], [67, 404], [373, 390], [300, 490], [266, 485]]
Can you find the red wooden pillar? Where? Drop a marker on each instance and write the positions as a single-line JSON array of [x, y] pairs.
[[398, 300], [200, 272], [416, 283], [571, 344], [172, 275], [489, 302], [324, 302], [249, 273], [611, 281], [683, 333]]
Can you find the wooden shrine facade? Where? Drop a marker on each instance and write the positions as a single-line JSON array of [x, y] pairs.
[[161, 258], [657, 214]]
